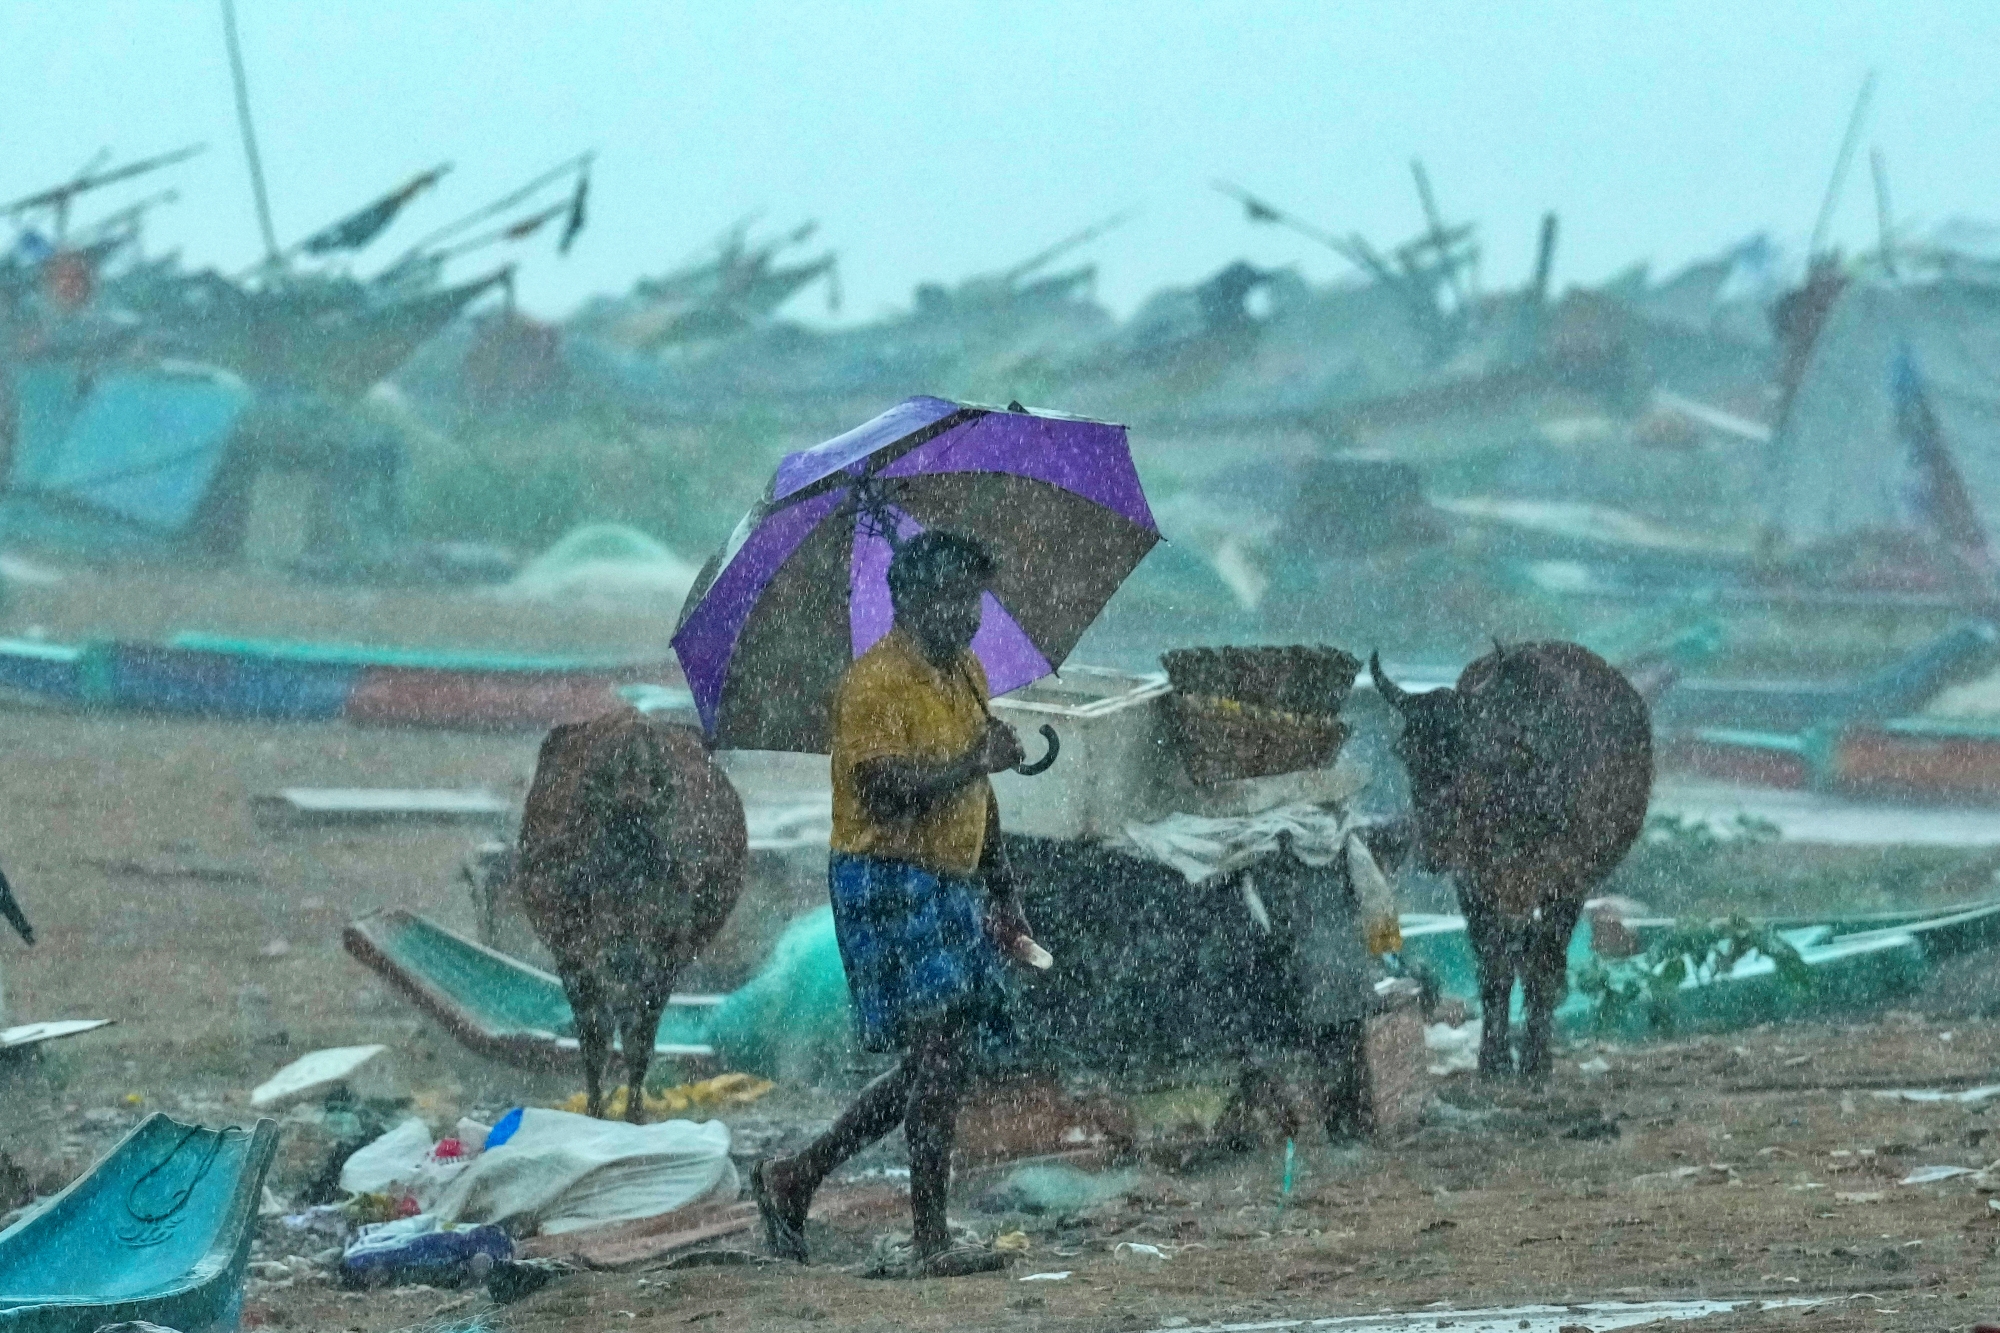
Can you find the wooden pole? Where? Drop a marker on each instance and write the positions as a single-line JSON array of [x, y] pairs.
[[1840, 165], [243, 122]]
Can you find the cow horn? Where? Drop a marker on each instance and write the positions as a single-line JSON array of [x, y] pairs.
[[1499, 649], [1392, 694]]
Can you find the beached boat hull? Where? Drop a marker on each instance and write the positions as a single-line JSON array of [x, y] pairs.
[[159, 1229]]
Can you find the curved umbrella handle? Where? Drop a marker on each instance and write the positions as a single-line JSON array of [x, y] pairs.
[[1042, 765]]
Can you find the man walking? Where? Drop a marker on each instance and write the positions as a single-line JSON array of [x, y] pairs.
[[923, 903]]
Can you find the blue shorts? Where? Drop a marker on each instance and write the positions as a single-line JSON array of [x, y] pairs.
[[915, 948]]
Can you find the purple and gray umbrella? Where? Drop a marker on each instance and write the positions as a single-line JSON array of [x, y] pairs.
[[801, 589]]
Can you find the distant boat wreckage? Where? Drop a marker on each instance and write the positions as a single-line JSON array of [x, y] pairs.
[[1767, 449]]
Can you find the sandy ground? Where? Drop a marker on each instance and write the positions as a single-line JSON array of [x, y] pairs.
[[1759, 1165]]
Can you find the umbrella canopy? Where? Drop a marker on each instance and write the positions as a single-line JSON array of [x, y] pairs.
[[801, 589]]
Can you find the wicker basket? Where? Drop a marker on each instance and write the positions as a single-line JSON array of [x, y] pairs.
[[1257, 712], [1223, 740], [1298, 679]]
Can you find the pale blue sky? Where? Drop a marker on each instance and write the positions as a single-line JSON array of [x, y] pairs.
[[932, 140]]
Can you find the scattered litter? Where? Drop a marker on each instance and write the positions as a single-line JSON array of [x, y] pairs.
[[1011, 1242], [1454, 1050], [1716, 1173], [303, 807], [717, 1259], [1595, 1067], [1598, 1316], [1063, 1276], [327, 1221], [1858, 1196], [423, 1250], [312, 1077], [1931, 1175], [401, 1164], [1970, 1097], [893, 1257], [711, 1094], [511, 1279], [559, 1172], [31, 1034], [1133, 1251]]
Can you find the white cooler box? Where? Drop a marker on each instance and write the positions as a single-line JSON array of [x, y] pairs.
[[1115, 761]]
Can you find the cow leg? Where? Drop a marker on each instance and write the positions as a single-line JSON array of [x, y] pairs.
[[1347, 1089], [593, 1037], [639, 1027], [1493, 960], [1545, 979]]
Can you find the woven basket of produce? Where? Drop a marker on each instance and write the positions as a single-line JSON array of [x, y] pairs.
[[1257, 712], [1225, 740]]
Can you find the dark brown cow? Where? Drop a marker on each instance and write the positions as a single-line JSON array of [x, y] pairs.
[[632, 855], [1530, 780]]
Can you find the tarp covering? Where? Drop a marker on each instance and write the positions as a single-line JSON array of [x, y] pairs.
[[562, 1172], [1842, 464], [142, 444]]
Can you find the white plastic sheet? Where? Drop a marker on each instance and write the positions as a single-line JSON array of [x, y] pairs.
[[401, 1162], [563, 1172], [1200, 847]]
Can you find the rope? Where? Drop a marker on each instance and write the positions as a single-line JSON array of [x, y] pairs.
[[179, 1200]]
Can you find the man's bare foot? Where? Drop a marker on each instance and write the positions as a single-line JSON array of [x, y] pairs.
[[782, 1207]]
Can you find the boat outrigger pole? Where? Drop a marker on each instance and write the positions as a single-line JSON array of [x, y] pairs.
[[272, 258], [59, 197]]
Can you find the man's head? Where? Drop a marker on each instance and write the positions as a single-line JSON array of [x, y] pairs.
[[936, 580]]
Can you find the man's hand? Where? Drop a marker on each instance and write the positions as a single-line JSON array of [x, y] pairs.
[[1006, 919], [999, 749], [1007, 927]]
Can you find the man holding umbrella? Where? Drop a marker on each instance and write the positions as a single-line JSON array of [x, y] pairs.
[[923, 902], [890, 579]]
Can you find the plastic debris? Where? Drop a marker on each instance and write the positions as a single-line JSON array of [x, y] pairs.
[[1931, 1175], [551, 1171], [405, 1166], [1969, 1097], [511, 1279], [329, 1221], [358, 1069], [711, 1094], [1133, 1251], [1062, 1276], [1453, 1050], [423, 1249]]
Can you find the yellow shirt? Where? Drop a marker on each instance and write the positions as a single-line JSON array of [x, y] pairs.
[[892, 703]]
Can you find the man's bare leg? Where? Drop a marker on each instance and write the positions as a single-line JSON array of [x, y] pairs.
[[939, 1074], [790, 1182]]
